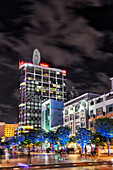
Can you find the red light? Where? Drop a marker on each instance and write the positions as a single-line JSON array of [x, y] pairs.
[[44, 65], [64, 71], [21, 63]]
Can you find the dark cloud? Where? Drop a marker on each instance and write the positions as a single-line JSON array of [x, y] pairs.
[[76, 35]]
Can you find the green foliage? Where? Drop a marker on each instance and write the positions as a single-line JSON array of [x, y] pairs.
[[52, 137], [72, 139], [38, 143], [83, 136], [41, 135], [98, 139], [27, 142], [32, 135], [104, 126], [63, 133]]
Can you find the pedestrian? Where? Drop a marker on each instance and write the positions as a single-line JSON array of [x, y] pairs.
[[61, 152], [67, 151], [95, 151], [85, 151], [7, 155], [92, 151], [1, 153], [80, 151], [28, 156]]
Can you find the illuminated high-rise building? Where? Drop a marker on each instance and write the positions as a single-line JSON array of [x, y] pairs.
[[38, 82]]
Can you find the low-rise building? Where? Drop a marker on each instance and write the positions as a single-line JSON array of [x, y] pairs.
[[52, 114], [2, 129], [7, 130], [101, 107], [76, 112]]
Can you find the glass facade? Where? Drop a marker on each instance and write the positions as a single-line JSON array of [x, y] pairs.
[[37, 84]]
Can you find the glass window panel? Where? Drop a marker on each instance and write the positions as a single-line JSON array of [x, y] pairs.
[[59, 74], [45, 72], [30, 69], [53, 80], [59, 81], [52, 73], [46, 79], [38, 70], [38, 78]]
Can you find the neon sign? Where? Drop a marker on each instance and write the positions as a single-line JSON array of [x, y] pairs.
[[44, 65], [64, 71], [21, 63]]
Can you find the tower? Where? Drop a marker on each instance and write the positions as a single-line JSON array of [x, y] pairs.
[[38, 82]]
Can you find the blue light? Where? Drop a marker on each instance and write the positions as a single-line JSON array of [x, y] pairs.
[[23, 165]]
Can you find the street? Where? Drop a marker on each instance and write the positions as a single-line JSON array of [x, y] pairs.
[[51, 161]]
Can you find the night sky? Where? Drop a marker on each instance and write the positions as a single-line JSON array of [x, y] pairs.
[[76, 35]]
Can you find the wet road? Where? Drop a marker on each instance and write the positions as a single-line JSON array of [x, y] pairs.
[[39, 161]]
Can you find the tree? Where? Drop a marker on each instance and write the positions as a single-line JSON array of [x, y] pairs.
[[52, 137], [72, 139], [63, 133], [20, 138], [83, 137], [32, 136], [104, 126], [41, 137], [26, 142], [98, 139]]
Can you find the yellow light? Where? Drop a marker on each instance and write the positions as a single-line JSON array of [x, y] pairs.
[[27, 127], [51, 91], [54, 85], [44, 91]]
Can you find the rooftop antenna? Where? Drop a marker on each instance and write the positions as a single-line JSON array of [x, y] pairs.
[[36, 57], [73, 93]]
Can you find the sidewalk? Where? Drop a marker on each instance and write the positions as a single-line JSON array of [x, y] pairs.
[[44, 159]]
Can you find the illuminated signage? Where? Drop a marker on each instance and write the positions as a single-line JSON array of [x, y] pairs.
[[21, 63], [2, 124], [64, 71], [44, 108], [44, 65]]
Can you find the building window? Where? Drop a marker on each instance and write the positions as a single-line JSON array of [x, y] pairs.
[[91, 124], [59, 74], [66, 112], [38, 78], [99, 111], [77, 107], [77, 127], [109, 108], [30, 69], [38, 70], [52, 73], [77, 116], [91, 103], [45, 72], [91, 113], [66, 119], [71, 117], [99, 100]]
